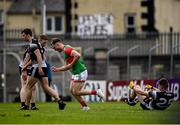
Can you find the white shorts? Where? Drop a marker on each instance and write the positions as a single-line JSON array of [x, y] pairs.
[[82, 77]]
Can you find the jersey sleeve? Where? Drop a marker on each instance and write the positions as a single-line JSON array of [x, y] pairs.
[[32, 47], [68, 51], [153, 94]]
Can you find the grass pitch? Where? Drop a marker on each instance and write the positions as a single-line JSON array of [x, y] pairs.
[[100, 113]]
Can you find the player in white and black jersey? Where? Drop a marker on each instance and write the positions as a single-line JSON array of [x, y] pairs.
[[23, 77], [38, 70], [156, 98]]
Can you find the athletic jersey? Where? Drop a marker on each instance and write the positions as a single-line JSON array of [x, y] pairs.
[[161, 100], [79, 65], [32, 47]]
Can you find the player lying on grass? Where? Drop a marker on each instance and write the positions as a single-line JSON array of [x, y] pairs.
[[156, 98], [133, 99]]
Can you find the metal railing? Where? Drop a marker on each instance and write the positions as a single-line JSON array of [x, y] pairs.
[[123, 41]]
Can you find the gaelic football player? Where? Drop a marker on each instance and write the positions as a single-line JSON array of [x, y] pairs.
[[76, 65]]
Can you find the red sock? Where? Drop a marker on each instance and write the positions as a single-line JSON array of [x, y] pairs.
[[93, 92], [83, 104]]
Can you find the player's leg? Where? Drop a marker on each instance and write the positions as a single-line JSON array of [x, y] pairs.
[[145, 102], [52, 92], [82, 92], [78, 97], [31, 81], [49, 90], [22, 92], [78, 82], [133, 94], [77, 89], [23, 82], [132, 99], [137, 89], [33, 98]]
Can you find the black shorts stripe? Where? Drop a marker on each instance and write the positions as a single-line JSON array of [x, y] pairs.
[[28, 70], [35, 73]]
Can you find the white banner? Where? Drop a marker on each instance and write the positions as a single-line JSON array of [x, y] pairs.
[[97, 24], [94, 85]]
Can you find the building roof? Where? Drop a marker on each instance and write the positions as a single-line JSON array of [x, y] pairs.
[[26, 6]]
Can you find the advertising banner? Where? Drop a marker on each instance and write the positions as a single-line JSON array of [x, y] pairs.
[[117, 90], [174, 87], [94, 85]]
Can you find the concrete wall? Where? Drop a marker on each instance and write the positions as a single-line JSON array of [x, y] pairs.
[[118, 8], [8, 4], [20, 21], [167, 15]]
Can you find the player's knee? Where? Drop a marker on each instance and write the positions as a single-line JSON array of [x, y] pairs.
[[27, 87], [34, 88], [46, 89], [72, 92], [77, 93], [136, 88]]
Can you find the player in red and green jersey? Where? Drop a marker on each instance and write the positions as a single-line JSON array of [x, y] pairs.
[[75, 64]]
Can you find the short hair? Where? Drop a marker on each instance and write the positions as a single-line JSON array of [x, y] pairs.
[[43, 37], [55, 40], [27, 31], [163, 82]]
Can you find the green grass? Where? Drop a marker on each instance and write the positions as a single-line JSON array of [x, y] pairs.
[[100, 113]]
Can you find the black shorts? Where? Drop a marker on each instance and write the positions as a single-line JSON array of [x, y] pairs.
[[20, 70], [146, 105], [35, 73], [28, 70]]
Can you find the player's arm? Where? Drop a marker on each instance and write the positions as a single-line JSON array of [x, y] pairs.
[[39, 60], [75, 56], [153, 94], [26, 62]]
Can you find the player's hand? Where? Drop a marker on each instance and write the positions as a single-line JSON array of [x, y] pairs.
[[23, 68], [41, 73], [24, 75], [54, 69]]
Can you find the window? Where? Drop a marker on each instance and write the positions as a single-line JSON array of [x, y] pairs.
[[54, 24], [76, 5], [49, 24], [1, 23], [130, 23], [58, 24]]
